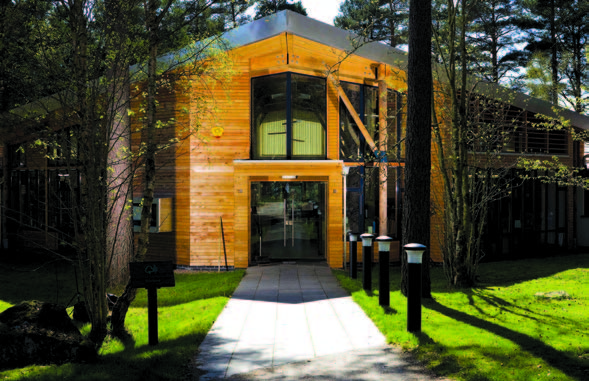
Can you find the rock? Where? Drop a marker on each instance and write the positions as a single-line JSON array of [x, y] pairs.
[[40, 333], [553, 295]]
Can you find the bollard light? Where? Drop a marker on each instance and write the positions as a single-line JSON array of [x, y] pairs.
[[384, 243], [353, 238], [384, 247], [367, 261], [414, 252], [367, 239], [414, 259]]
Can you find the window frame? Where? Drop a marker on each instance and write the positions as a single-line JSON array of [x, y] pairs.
[[289, 118]]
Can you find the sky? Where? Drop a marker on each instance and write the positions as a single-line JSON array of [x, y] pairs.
[[322, 10]]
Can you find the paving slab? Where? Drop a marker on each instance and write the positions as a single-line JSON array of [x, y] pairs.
[[294, 321]]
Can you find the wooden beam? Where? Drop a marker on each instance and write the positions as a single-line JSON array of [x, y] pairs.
[[382, 143], [354, 114]]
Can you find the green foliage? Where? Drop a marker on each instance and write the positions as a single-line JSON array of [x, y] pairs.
[[379, 20], [185, 315], [559, 30], [492, 37], [268, 7], [539, 78], [500, 330]]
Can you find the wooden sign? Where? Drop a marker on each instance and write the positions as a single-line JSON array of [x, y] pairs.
[[152, 274]]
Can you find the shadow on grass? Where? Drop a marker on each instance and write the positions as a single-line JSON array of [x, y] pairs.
[[167, 361], [447, 364], [388, 310], [567, 364], [507, 273]]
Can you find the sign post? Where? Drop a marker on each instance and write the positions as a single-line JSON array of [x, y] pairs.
[[152, 275]]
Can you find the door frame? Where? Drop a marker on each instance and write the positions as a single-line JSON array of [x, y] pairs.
[[327, 171], [321, 246]]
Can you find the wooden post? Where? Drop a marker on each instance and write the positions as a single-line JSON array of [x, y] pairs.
[[152, 275], [382, 146], [152, 315]]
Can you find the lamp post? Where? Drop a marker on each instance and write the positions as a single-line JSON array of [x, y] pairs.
[[414, 259], [384, 246], [345, 171], [353, 255], [367, 260]]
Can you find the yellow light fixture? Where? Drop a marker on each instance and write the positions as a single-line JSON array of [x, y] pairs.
[[217, 132]]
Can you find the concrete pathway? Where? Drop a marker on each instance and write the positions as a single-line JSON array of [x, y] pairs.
[[287, 321]]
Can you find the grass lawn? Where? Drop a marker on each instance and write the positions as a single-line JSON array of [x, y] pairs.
[[499, 330], [185, 315]]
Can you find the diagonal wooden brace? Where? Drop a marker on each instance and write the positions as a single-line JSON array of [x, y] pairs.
[[354, 115]]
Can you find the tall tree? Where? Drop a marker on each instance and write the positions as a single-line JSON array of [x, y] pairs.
[[233, 12], [470, 133], [558, 30], [22, 78], [492, 36], [201, 59], [382, 20], [268, 7], [416, 205]]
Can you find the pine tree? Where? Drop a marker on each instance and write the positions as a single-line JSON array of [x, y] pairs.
[[558, 29], [492, 37], [268, 7], [233, 12], [382, 20]]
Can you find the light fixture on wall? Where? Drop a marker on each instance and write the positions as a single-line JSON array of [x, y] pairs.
[[217, 131], [289, 177]]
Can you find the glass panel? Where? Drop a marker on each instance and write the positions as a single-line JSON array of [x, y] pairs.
[[309, 111], [269, 117], [371, 190], [371, 114], [288, 221], [349, 134], [395, 144], [354, 211]]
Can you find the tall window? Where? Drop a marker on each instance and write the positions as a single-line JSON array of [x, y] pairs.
[[364, 99], [289, 117]]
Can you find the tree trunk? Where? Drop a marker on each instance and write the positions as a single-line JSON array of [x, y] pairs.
[[416, 211], [120, 223], [554, 52], [122, 306], [91, 216]]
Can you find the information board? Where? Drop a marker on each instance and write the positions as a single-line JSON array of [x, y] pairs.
[[152, 274]]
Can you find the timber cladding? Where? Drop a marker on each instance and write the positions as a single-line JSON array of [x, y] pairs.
[[214, 181], [209, 175], [212, 174]]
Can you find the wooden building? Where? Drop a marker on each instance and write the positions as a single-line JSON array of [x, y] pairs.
[[284, 168]]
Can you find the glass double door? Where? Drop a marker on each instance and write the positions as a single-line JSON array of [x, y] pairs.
[[288, 221]]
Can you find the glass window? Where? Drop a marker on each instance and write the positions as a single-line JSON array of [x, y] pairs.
[[269, 117], [289, 117], [353, 145], [309, 123], [349, 134]]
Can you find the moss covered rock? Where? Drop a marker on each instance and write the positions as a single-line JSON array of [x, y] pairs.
[[34, 332]]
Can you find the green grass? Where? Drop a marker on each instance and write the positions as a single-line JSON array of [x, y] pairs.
[[499, 330], [185, 314]]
